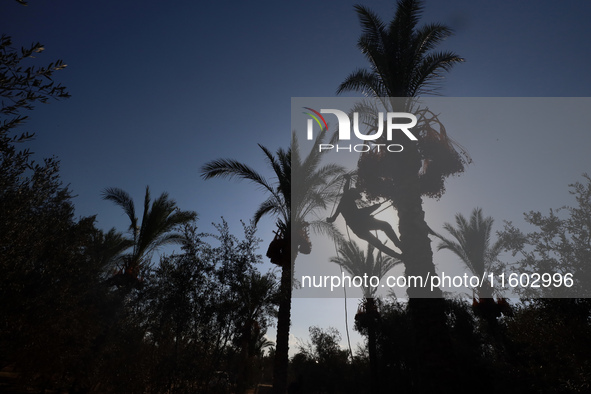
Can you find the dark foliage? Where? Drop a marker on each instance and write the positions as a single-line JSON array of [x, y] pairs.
[[321, 366], [22, 86]]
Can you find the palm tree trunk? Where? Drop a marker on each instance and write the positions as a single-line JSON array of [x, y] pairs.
[[416, 245], [372, 313], [434, 352], [281, 363], [243, 373]]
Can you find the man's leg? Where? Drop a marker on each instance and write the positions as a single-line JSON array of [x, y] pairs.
[[375, 242], [386, 228]]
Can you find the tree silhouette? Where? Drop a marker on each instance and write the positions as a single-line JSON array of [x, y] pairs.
[[402, 61], [321, 364], [257, 294], [560, 243], [472, 244], [302, 187], [555, 316], [357, 263], [22, 87], [404, 64], [157, 228]]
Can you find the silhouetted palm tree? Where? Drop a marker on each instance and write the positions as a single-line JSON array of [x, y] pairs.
[[262, 343], [256, 293], [472, 244], [157, 228], [301, 188], [109, 248], [403, 63], [472, 241], [357, 263]]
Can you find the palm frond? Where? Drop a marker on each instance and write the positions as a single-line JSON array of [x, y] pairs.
[[428, 37], [428, 73], [223, 168], [163, 240], [122, 198], [353, 260], [159, 220], [408, 13], [471, 241], [364, 81], [271, 206], [372, 25]]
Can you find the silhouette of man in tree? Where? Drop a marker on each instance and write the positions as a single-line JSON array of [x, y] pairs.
[[360, 220]]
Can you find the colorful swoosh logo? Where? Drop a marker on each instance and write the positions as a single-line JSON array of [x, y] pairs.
[[315, 116]]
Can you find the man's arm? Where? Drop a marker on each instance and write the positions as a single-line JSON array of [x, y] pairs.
[[345, 189], [336, 214]]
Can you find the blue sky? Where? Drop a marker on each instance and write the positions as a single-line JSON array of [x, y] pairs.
[[159, 88]]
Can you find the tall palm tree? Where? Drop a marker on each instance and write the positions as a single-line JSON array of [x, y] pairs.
[[404, 63], [257, 293], [301, 188], [157, 228], [472, 244], [357, 263]]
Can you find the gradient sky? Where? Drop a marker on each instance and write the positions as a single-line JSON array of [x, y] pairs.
[[159, 88]]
